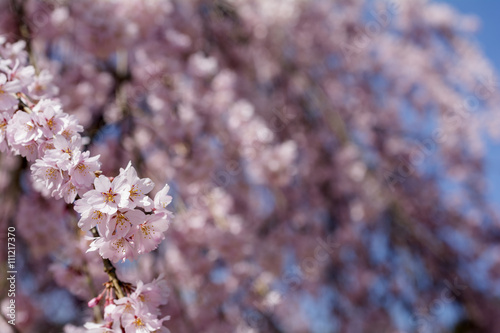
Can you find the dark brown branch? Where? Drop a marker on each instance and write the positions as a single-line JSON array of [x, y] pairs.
[[24, 30]]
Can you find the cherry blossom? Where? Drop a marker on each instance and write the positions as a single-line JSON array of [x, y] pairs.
[[162, 200], [49, 117], [7, 91], [138, 312], [91, 217], [115, 249], [47, 173], [139, 187], [108, 194], [23, 132], [42, 132], [122, 221], [23, 74], [150, 233], [83, 168]]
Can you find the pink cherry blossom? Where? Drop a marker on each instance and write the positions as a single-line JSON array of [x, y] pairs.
[[22, 129], [42, 86], [68, 191], [24, 74], [7, 90], [83, 168], [151, 295], [47, 173], [116, 249], [109, 195], [139, 187], [64, 150], [140, 323], [162, 200], [49, 117], [150, 234], [122, 221], [91, 217]]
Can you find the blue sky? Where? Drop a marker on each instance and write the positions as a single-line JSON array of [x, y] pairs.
[[488, 37], [489, 13]]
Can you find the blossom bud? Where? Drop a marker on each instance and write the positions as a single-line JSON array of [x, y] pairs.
[[94, 301]]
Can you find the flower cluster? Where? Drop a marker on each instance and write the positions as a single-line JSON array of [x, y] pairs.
[[128, 220], [35, 126], [138, 312], [29, 134]]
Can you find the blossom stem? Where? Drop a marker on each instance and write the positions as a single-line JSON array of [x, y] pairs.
[[111, 271], [23, 106]]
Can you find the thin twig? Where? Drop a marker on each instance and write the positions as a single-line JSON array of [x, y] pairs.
[[111, 271]]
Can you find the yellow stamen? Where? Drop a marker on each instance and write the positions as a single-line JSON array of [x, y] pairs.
[[50, 123], [81, 167], [139, 323], [109, 196]]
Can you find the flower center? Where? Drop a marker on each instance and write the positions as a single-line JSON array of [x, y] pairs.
[[67, 151], [139, 323], [97, 215], [50, 123], [109, 196], [81, 167], [147, 230], [133, 192], [51, 173]]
